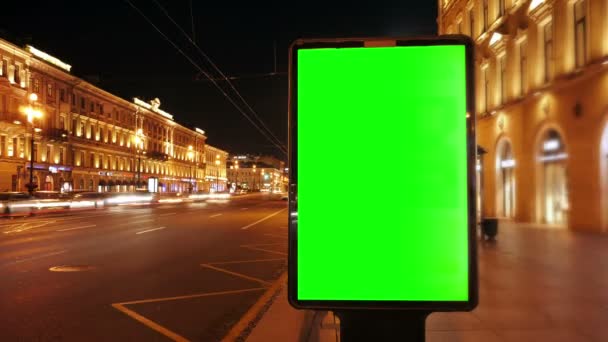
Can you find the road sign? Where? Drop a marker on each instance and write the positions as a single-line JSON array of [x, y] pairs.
[[363, 114]]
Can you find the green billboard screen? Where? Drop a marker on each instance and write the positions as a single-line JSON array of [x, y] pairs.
[[381, 153]]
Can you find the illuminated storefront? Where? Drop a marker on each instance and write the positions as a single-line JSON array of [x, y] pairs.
[[541, 70]]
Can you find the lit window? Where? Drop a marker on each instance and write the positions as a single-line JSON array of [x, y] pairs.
[[580, 41], [548, 50], [502, 78], [523, 67]]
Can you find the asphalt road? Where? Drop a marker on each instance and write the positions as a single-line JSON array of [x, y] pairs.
[[139, 273]]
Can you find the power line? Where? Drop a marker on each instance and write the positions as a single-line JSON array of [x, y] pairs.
[[219, 71], [192, 21], [280, 147]]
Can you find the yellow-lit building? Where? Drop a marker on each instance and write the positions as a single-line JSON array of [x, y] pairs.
[[256, 176], [542, 77], [215, 171], [85, 137]]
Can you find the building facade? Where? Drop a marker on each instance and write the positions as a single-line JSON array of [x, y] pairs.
[[85, 138], [256, 176], [541, 77], [215, 170]]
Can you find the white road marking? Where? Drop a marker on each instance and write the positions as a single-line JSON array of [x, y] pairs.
[[20, 227], [263, 219], [150, 230], [216, 215], [35, 257], [131, 222], [244, 208], [75, 228]]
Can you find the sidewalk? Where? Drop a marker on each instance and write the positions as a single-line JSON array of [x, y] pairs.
[[536, 284]]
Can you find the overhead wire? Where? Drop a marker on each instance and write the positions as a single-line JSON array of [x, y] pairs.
[[279, 146], [224, 77]]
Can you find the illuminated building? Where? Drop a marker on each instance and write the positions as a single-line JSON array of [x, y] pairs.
[[215, 170], [256, 176], [87, 138], [541, 81]]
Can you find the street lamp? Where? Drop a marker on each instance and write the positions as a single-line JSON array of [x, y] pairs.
[[32, 114], [217, 169], [190, 155], [254, 176], [139, 145], [236, 174]]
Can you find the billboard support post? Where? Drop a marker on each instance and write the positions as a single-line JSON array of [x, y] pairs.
[[382, 325]]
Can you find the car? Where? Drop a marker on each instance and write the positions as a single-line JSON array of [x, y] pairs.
[[49, 200], [16, 203], [89, 200]]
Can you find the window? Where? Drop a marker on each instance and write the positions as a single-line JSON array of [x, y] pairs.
[[5, 68], [92, 160], [2, 145], [62, 95], [501, 8], [82, 158], [486, 89], [580, 41], [61, 122], [15, 148], [548, 50], [92, 107], [73, 99], [36, 86], [17, 74], [74, 126], [502, 78], [100, 108], [471, 23], [485, 15], [49, 90], [48, 154], [61, 155], [523, 67], [82, 102]]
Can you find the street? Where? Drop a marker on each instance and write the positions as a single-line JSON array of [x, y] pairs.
[[140, 272]]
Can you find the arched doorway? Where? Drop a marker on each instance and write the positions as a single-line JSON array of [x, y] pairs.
[[604, 176], [48, 183], [81, 184], [505, 179], [553, 190], [91, 185]]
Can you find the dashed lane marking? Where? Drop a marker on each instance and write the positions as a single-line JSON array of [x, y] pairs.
[[149, 230], [216, 215], [76, 228]]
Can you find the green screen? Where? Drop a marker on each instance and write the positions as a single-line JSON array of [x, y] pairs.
[[382, 174]]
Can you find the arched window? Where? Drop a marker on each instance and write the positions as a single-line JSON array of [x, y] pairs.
[[553, 181], [505, 179]]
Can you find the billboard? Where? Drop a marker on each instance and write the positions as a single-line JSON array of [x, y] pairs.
[[393, 122]]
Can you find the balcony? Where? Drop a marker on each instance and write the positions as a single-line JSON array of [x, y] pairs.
[[55, 134], [155, 155]]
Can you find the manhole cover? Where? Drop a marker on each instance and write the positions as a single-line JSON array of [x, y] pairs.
[[71, 268]]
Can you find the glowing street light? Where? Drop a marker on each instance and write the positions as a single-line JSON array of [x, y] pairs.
[[217, 169], [190, 155], [139, 145], [32, 113]]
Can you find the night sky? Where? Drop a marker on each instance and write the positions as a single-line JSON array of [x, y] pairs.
[[109, 40]]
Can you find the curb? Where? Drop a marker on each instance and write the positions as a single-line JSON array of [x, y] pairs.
[[243, 327]]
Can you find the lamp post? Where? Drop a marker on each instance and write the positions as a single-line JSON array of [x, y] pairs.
[[139, 145], [236, 174], [32, 114], [254, 176], [190, 155], [217, 169]]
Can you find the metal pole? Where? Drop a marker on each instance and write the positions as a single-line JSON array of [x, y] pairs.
[[31, 184], [138, 169], [217, 179]]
